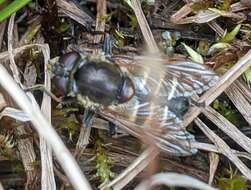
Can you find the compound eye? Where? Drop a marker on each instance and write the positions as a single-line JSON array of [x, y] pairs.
[[60, 84], [68, 60], [127, 91]]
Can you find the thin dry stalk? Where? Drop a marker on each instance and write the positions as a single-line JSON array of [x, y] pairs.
[[133, 169], [25, 146], [214, 162], [145, 29], [228, 128], [45, 129], [240, 102], [224, 82], [216, 27], [244, 89], [172, 180], [83, 140], [100, 21], [224, 148], [2, 30], [47, 176], [70, 9]]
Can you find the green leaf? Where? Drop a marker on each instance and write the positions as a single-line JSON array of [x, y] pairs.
[[196, 57], [229, 37], [247, 77], [133, 21], [218, 47], [12, 8]]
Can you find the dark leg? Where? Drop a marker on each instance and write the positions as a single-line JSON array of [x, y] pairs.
[[88, 118], [112, 129], [83, 139]]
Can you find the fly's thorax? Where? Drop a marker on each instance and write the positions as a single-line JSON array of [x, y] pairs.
[[87, 103]]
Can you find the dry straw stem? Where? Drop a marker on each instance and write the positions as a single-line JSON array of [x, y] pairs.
[[25, 146], [45, 129], [173, 179], [224, 148], [133, 169], [48, 179], [145, 29], [224, 82], [216, 27], [228, 128], [244, 89], [41, 124], [214, 161], [206, 15], [70, 9], [241, 103]]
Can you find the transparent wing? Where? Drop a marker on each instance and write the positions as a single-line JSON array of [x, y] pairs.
[[180, 81]]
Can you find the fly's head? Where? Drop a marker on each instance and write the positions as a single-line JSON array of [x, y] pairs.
[[62, 71]]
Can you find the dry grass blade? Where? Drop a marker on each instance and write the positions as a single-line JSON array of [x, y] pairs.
[[145, 29], [25, 146], [48, 181], [2, 30], [214, 162], [228, 128], [173, 179], [216, 27], [224, 149], [224, 82], [205, 16], [240, 102], [130, 172], [13, 65], [40, 123], [46, 130], [70, 9], [47, 177], [1, 186], [244, 89]]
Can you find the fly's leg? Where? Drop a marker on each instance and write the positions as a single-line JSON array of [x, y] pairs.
[[83, 139], [112, 129], [43, 89]]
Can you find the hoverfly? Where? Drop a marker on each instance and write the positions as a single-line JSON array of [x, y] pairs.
[[118, 91]]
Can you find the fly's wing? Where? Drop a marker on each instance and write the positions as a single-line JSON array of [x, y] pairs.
[[192, 78], [178, 80]]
